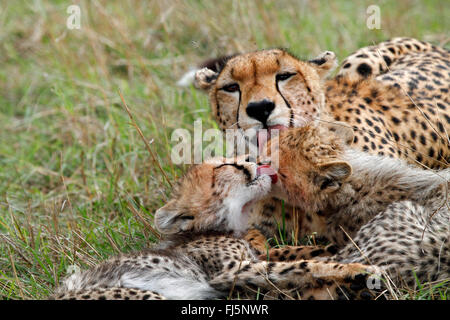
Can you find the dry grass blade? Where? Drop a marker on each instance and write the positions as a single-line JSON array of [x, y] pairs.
[[139, 217], [79, 236], [13, 265], [112, 242], [356, 246], [155, 161], [16, 248], [235, 277]]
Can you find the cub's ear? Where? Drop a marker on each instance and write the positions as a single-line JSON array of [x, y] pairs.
[[343, 131], [324, 63], [332, 174], [205, 78], [168, 220]]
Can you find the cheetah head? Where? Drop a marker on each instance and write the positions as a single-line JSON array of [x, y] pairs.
[[268, 89], [215, 195], [311, 168]]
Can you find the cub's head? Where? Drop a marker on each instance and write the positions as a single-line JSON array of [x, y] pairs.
[[215, 195], [266, 89], [311, 166]]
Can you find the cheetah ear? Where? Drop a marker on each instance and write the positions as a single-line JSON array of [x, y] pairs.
[[324, 63], [343, 131], [332, 174], [205, 79], [170, 221]]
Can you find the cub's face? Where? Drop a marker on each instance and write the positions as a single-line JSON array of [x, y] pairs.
[[266, 89], [311, 165], [216, 195]]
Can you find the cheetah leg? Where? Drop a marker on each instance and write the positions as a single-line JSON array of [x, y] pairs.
[[292, 253], [288, 253], [301, 279], [108, 294]]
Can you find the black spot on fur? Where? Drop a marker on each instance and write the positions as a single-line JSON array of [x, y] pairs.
[[284, 271], [368, 100], [317, 252], [364, 70], [395, 120]]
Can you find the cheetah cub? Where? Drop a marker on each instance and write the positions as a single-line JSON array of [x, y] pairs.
[[377, 210], [204, 256]]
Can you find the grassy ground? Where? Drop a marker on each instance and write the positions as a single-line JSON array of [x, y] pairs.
[[76, 182]]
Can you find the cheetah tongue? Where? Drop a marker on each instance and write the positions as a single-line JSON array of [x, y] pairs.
[[266, 169], [278, 127], [265, 134]]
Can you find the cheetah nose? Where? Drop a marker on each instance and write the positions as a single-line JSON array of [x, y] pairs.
[[260, 110], [266, 169]]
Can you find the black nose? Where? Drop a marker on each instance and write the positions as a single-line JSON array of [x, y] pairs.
[[260, 110]]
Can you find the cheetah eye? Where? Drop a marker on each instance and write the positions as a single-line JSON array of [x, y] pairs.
[[186, 217], [233, 87], [326, 183], [284, 76]]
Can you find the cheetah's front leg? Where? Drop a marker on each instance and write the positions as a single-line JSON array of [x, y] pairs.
[[304, 279], [288, 253]]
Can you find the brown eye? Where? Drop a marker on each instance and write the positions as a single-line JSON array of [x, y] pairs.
[[284, 76], [233, 87]]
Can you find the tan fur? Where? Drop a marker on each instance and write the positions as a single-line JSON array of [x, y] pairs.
[[198, 259], [395, 95], [108, 294], [398, 104], [396, 215]]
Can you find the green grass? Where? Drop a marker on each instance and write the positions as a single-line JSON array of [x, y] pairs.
[[76, 182]]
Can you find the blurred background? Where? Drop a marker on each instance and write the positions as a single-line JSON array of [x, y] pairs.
[[76, 182]]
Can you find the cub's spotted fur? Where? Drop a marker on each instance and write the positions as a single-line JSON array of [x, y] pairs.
[[194, 262], [397, 215], [110, 293]]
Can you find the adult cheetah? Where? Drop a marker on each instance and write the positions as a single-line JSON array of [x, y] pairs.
[[394, 95]]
